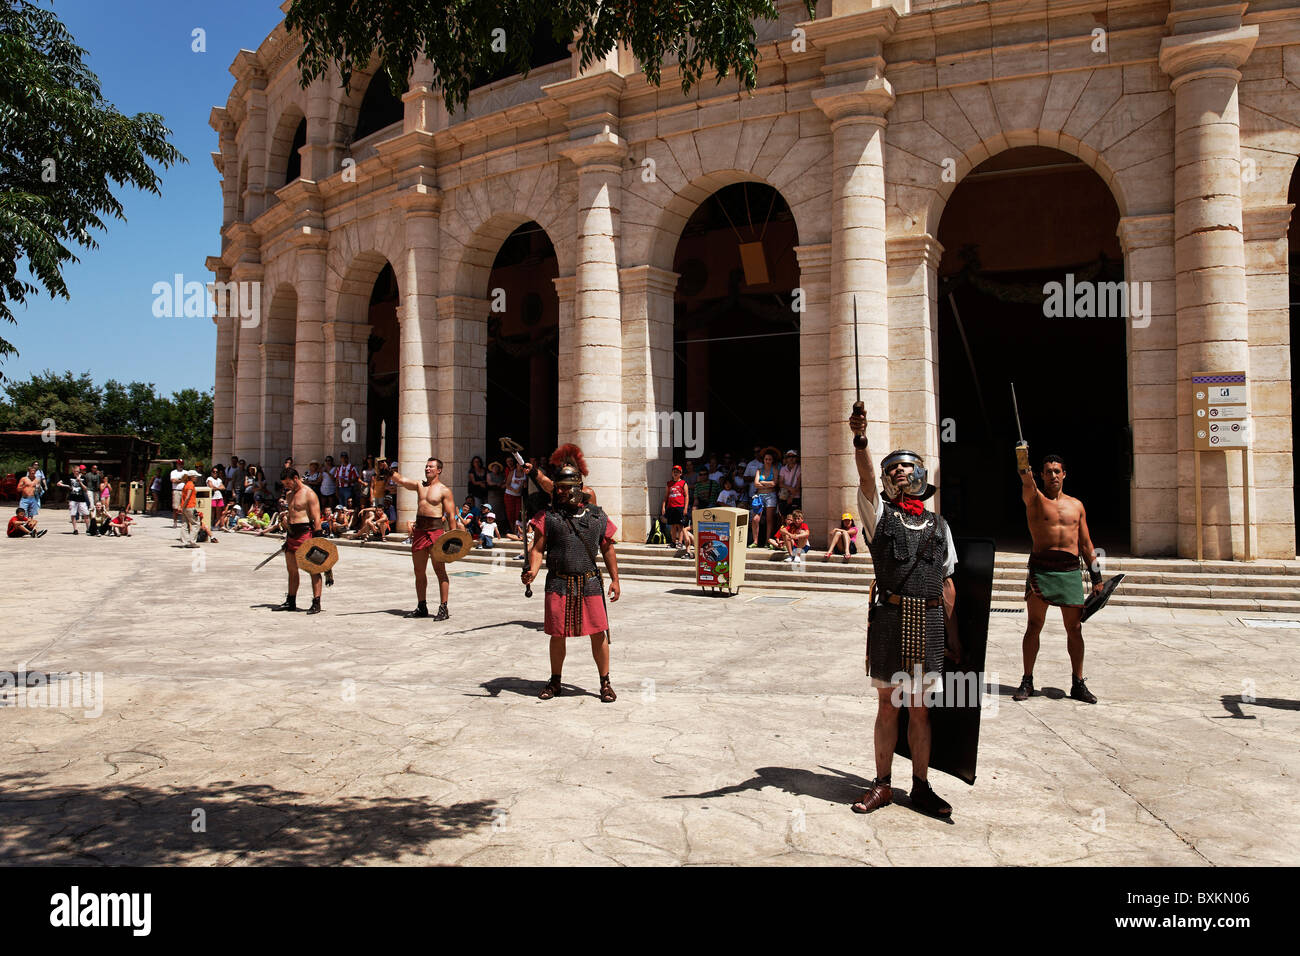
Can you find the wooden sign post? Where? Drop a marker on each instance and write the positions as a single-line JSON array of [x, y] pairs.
[[1221, 421]]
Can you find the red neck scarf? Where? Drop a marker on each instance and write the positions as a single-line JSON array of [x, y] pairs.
[[912, 506]]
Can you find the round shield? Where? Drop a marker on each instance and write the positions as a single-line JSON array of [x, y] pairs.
[[451, 546], [316, 555]]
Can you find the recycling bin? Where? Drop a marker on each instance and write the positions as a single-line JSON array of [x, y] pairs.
[[720, 535], [204, 496], [135, 503]]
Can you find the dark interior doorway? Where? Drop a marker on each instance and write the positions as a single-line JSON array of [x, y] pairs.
[[1025, 218], [1293, 251], [735, 330], [523, 381], [384, 364]]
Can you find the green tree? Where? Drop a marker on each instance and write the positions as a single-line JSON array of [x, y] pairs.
[[61, 147], [188, 430], [71, 401], [133, 409], [457, 36]]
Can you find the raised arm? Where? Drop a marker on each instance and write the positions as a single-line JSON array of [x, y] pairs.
[[1028, 487], [407, 483], [862, 457]]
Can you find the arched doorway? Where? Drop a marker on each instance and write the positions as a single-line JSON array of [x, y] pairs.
[[1293, 262], [735, 328], [523, 343], [383, 361], [1030, 292], [381, 107]]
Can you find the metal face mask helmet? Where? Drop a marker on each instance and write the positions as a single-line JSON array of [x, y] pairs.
[[917, 485], [568, 489]]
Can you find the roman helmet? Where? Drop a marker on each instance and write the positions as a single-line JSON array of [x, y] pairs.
[[917, 486], [567, 493]]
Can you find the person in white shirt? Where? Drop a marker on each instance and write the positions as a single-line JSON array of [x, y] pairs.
[[488, 530], [178, 482], [728, 497], [327, 483]]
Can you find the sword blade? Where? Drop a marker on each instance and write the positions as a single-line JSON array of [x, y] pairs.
[[1015, 406], [857, 371], [268, 558]]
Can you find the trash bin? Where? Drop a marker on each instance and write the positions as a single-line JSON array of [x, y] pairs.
[[204, 496], [720, 547], [135, 504]]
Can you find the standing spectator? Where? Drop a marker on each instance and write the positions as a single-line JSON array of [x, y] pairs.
[[22, 526], [367, 478], [516, 478], [94, 482], [328, 486], [278, 488], [45, 485], [790, 477], [751, 469], [249, 494], [78, 498], [477, 483], [155, 492], [311, 479], [233, 476], [178, 482], [218, 486], [727, 498], [714, 470], [673, 508], [765, 485], [705, 492], [496, 483], [844, 538], [29, 491], [345, 478]]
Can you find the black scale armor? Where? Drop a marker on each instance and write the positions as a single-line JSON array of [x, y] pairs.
[[898, 642], [570, 554]]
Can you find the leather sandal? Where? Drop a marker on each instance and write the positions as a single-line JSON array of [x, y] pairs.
[[607, 695], [880, 794], [552, 689]]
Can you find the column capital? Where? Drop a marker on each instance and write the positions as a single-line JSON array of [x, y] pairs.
[[913, 250], [1216, 52], [813, 258], [1266, 222], [565, 287], [305, 236], [462, 306], [1145, 232], [420, 199], [637, 279], [604, 149], [866, 101]]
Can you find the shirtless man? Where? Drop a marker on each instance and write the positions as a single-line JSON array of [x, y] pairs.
[[436, 511], [29, 492], [303, 509], [1059, 527]]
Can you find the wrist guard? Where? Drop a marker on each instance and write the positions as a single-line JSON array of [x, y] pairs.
[[317, 533], [1094, 573], [1022, 457]]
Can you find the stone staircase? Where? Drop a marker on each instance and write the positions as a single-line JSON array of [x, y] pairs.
[[1150, 582]]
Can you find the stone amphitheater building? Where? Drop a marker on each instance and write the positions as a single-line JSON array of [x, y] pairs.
[[578, 250]]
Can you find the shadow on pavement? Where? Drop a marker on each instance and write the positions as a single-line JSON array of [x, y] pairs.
[[1232, 704], [527, 688], [136, 824]]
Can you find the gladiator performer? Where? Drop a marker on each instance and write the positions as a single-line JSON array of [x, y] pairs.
[[569, 533], [434, 516], [303, 509], [1059, 526], [569, 454], [912, 603]]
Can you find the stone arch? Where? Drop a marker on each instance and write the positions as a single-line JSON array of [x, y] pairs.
[[290, 129], [348, 106], [476, 220]]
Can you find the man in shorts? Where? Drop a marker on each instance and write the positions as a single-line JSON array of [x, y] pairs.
[[78, 498], [29, 492], [435, 512], [303, 512]]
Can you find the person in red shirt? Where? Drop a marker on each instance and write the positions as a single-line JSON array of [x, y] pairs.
[[792, 537], [190, 510], [673, 509], [21, 526]]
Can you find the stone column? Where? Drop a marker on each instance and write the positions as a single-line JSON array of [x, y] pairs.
[[256, 146], [817, 421], [248, 393], [417, 319], [597, 340], [647, 392], [1152, 333], [858, 272], [1272, 454], [309, 350], [461, 381], [565, 364], [223, 397], [1209, 255], [914, 350], [277, 401], [346, 378]]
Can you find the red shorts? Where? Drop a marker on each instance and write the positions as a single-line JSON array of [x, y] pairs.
[[424, 538], [292, 542]]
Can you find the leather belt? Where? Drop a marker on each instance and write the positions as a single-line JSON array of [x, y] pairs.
[[898, 599]]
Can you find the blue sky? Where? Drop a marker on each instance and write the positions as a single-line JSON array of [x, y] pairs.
[[141, 51]]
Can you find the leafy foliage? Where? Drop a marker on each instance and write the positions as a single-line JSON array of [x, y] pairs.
[[182, 424], [61, 145], [457, 37]]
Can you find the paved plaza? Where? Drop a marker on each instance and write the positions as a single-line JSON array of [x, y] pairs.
[[233, 735]]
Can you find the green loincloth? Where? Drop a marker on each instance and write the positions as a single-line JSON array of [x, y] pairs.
[[1059, 588]]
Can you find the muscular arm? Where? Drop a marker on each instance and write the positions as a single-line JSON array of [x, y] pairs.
[[1028, 488], [950, 619], [313, 512], [449, 509], [1085, 542], [535, 551], [611, 564], [406, 483]]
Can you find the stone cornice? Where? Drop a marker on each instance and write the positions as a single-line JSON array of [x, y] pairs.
[[565, 287], [909, 251], [601, 150], [871, 27], [634, 280], [421, 199], [585, 96], [306, 237], [1266, 222], [1146, 232], [814, 258], [1197, 54]]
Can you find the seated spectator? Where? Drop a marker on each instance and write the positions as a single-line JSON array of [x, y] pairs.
[[342, 521], [21, 526], [374, 525], [844, 538], [792, 537], [487, 530], [99, 521], [120, 527], [469, 516]]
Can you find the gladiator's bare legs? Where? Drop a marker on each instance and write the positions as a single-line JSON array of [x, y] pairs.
[[1071, 616], [599, 653], [918, 732], [420, 559]]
